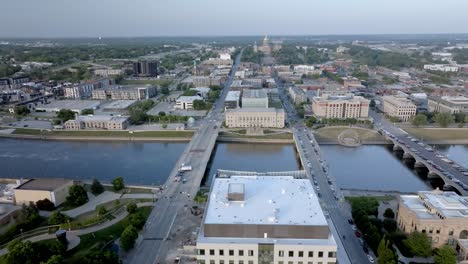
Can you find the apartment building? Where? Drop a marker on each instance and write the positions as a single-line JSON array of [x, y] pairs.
[[441, 67], [186, 102], [340, 106], [127, 92], [399, 107], [350, 82], [255, 117], [78, 91], [254, 98], [98, 123], [442, 216], [264, 219], [145, 69], [107, 72], [207, 81], [448, 104], [298, 96]]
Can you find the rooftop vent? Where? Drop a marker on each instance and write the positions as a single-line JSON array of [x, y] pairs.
[[236, 192]]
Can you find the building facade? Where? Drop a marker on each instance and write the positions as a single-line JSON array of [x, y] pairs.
[[340, 106], [398, 107], [79, 91], [97, 123], [448, 104], [264, 219], [55, 190], [232, 100], [254, 98], [255, 117], [145, 69], [298, 96], [186, 102]]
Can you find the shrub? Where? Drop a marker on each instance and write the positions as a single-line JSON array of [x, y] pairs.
[[128, 237], [96, 187], [131, 208], [118, 183], [45, 205]]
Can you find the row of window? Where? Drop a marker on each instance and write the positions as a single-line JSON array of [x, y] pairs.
[[201, 261], [281, 253], [301, 254], [230, 252]]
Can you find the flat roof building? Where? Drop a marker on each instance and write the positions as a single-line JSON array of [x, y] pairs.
[[340, 106], [53, 189], [254, 98], [232, 100], [255, 117], [186, 102], [76, 106], [119, 105], [264, 219], [399, 107], [448, 104], [297, 95], [98, 122]]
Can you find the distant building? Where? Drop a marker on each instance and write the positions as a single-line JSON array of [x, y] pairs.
[[399, 107], [225, 56], [232, 100], [133, 93], [341, 49], [448, 104], [201, 91], [350, 82], [441, 67], [79, 91], [297, 95], [107, 72], [254, 98], [98, 122], [76, 106], [207, 81], [255, 117], [266, 47], [340, 106], [186, 102], [55, 190], [264, 219], [442, 216], [145, 69]]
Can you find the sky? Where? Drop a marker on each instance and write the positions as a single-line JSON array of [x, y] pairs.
[[128, 18]]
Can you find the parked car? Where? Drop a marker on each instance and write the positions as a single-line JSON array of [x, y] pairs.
[[370, 258], [366, 249], [350, 221], [357, 233]]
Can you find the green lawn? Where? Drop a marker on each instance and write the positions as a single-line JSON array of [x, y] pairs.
[[37, 132], [439, 133], [331, 133]]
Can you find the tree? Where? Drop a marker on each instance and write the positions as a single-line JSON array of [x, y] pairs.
[[385, 254], [65, 115], [77, 195], [199, 105], [310, 121], [419, 244], [131, 208], [45, 205], [372, 103], [57, 218], [55, 259], [164, 126], [162, 113], [101, 257], [445, 255], [96, 187], [128, 237], [118, 183], [372, 237], [22, 110], [165, 90], [419, 120], [20, 252], [190, 93], [444, 119], [389, 213], [390, 225], [87, 112]]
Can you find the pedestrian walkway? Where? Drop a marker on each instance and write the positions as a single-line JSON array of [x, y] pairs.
[[403, 259]]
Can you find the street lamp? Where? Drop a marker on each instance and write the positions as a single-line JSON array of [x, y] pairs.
[[69, 225]]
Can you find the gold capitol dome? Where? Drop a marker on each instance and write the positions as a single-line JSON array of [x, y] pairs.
[[266, 40]]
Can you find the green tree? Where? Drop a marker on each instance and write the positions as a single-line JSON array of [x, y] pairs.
[[22, 110], [162, 113], [101, 257], [389, 213], [65, 115], [385, 254], [55, 259], [96, 187], [20, 252], [45, 205], [87, 112], [390, 225], [164, 126], [190, 93], [131, 208], [310, 121], [445, 255], [137, 220], [372, 103], [419, 244], [419, 120], [200, 105], [57, 218], [128, 237], [77, 195], [118, 183], [372, 236], [102, 211], [165, 90], [443, 119]]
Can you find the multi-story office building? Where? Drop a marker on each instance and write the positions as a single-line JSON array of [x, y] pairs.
[[340, 106], [350, 82], [399, 107], [255, 117], [186, 102], [98, 122], [107, 72], [79, 91], [443, 216], [448, 104], [207, 81], [297, 95], [232, 100], [264, 219], [254, 98], [133, 92], [441, 67], [145, 69]]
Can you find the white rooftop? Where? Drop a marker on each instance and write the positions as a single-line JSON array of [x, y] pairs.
[[427, 203], [77, 105], [189, 99], [255, 93], [233, 96], [119, 104], [281, 200]]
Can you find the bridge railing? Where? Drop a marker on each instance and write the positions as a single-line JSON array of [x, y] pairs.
[[228, 173]]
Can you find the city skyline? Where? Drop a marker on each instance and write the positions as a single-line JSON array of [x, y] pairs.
[[52, 19]]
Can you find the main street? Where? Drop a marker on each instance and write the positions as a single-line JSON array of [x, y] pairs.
[[176, 195], [446, 169], [333, 205]]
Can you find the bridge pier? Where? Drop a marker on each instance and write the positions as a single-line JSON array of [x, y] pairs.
[[433, 175], [407, 155], [397, 147]]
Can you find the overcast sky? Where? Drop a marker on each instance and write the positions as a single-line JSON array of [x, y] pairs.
[[92, 18]]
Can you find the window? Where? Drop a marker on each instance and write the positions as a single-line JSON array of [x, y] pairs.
[[332, 254], [221, 262], [451, 233], [291, 253], [281, 253], [290, 262], [201, 261], [212, 262], [320, 255], [241, 262], [231, 252], [241, 252], [301, 254], [212, 252], [300, 262], [201, 252], [311, 254], [221, 252], [250, 253], [250, 262], [231, 261], [280, 262]]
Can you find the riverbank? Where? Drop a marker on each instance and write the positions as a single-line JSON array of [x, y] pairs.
[[330, 135], [280, 138], [440, 135]]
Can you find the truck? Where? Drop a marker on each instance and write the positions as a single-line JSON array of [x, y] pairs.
[[184, 168]]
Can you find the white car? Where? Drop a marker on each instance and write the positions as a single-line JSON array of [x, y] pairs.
[[354, 228], [370, 258]]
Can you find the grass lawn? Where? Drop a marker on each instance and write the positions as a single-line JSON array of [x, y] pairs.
[[332, 132], [37, 132], [439, 133], [143, 82], [92, 240]]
